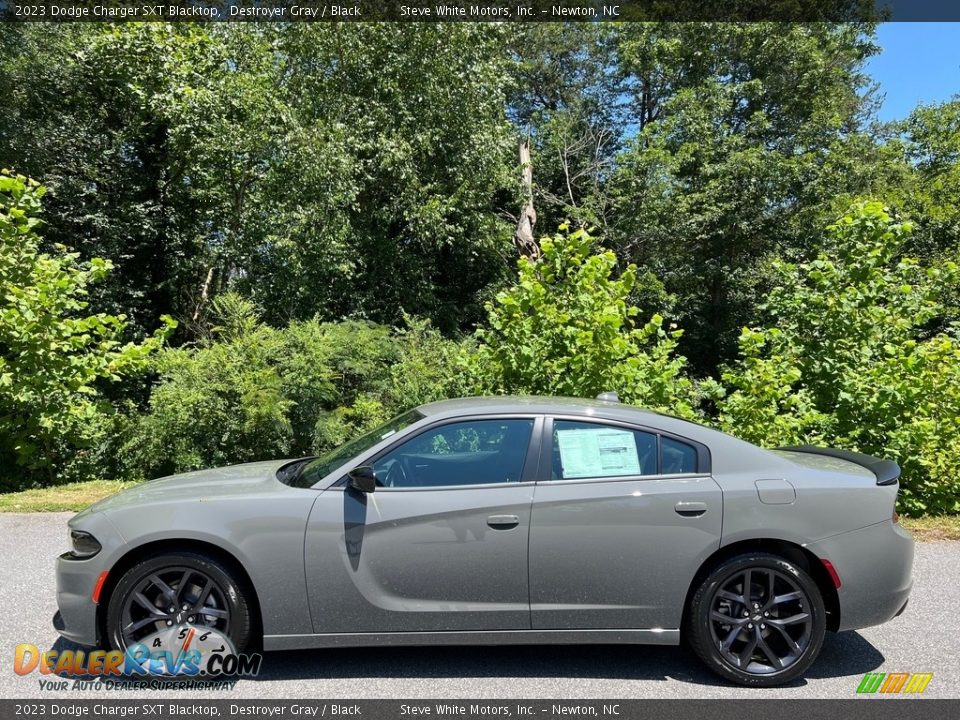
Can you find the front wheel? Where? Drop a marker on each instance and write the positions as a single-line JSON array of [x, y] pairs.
[[158, 601], [757, 620]]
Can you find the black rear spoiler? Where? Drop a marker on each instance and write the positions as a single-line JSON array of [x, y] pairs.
[[887, 471]]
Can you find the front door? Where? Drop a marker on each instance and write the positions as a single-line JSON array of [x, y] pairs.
[[441, 545], [622, 518]]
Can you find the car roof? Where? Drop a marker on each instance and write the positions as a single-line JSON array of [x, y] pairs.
[[541, 404], [727, 451]]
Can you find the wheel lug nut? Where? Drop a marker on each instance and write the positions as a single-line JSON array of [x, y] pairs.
[[185, 607], [745, 613], [750, 626], [169, 622], [766, 614], [762, 626], [190, 619], [171, 609]]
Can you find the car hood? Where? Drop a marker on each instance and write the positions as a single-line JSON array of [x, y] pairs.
[[255, 477]]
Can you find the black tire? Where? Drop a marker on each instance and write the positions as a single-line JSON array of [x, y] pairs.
[[723, 644], [232, 592]]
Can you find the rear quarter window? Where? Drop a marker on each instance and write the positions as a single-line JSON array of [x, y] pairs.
[[677, 457]]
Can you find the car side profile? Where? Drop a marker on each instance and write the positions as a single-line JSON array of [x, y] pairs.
[[507, 520]]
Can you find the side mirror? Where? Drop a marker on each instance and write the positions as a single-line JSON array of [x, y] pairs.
[[363, 479]]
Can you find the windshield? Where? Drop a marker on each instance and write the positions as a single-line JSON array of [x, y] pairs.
[[315, 470]]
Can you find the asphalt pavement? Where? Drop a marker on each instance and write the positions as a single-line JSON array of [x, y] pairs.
[[926, 638]]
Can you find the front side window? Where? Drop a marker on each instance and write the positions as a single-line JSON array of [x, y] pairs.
[[315, 470], [472, 452], [590, 450]]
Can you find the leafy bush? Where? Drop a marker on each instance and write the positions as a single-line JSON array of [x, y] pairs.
[[217, 404], [423, 367], [53, 356], [249, 392], [352, 356], [567, 328], [852, 360]]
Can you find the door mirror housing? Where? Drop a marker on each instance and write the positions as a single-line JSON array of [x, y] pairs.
[[363, 479]]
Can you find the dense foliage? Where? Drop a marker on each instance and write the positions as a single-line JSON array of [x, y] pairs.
[[327, 211], [53, 352], [315, 168], [248, 391], [853, 358], [568, 328]]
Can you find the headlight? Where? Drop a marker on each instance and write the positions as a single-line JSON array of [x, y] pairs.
[[83, 544]]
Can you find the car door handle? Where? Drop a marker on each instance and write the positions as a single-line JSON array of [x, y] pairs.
[[503, 522], [690, 509]]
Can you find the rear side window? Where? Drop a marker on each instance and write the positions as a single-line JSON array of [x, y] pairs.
[[590, 450], [678, 457]]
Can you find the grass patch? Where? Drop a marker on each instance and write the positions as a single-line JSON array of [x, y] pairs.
[[933, 527], [70, 497]]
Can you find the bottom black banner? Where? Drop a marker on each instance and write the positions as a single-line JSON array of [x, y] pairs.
[[866, 708]]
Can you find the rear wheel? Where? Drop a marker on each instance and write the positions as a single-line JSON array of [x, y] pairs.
[[177, 590], [757, 620]]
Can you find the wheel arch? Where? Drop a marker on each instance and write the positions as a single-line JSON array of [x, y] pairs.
[[202, 547], [784, 548]]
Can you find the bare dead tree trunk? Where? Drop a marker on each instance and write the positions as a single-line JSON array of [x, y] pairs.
[[204, 293], [523, 237]]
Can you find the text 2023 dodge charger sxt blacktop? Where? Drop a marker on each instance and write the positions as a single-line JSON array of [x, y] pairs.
[[506, 520]]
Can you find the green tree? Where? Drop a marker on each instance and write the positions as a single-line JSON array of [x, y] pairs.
[[930, 142], [567, 328], [569, 97], [84, 112], [318, 170], [54, 354]]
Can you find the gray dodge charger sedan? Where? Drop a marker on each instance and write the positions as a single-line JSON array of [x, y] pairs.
[[506, 520]]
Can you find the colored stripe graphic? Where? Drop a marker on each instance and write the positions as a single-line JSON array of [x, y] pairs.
[[918, 682], [870, 682], [894, 682]]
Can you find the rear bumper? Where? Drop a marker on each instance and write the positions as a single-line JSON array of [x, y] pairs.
[[875, 565]]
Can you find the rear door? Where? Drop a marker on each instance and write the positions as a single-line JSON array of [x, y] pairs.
[[441, 545], [622, 517]]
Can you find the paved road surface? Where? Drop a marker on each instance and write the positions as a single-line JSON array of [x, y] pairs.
[[926, 638]]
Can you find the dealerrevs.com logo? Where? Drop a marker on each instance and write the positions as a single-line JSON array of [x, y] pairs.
[[894, 683], [181, 652]]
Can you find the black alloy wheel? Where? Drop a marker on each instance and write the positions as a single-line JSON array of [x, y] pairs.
[[177, 590], [758, 620]]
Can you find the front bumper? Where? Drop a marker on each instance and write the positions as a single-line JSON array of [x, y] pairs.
[[77, 618], [875, 565]]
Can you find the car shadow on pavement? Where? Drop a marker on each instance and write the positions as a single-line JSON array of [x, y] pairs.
[[843, 654]]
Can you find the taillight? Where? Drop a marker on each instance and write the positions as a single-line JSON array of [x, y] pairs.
[[832, 572]]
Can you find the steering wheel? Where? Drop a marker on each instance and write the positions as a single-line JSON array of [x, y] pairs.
[[396, 475]]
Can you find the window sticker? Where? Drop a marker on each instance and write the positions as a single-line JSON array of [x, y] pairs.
[[597, 452]]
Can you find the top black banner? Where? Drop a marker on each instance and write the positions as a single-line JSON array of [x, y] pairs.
[[488, 11]]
